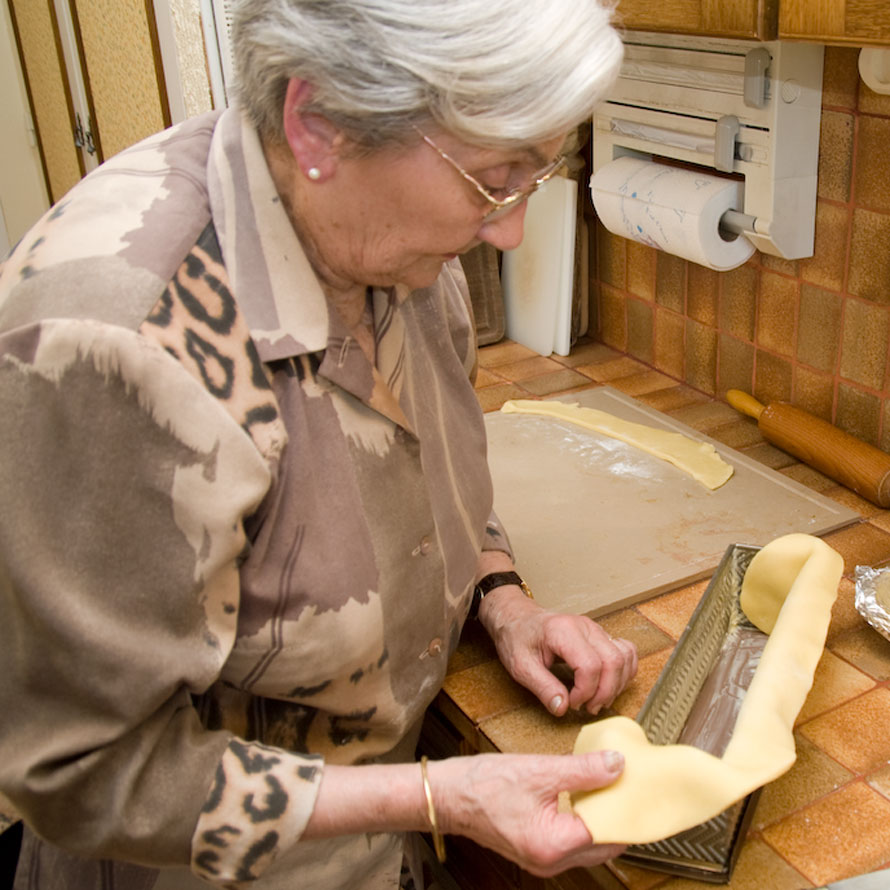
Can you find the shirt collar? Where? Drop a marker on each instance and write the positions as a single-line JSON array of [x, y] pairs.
[[277, 289]]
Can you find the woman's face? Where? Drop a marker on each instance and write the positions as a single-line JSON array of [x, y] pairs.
[[398, 215]]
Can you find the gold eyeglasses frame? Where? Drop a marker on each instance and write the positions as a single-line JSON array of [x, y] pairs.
[[499, 206]]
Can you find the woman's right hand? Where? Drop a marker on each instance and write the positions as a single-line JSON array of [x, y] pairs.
[[509, 803]]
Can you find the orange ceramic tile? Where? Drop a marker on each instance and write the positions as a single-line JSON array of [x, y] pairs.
[[819, 327], [587, 352], [776, 313], [770, 456], [670, 338], [813, 775], [870, 238], [641, 270], [738, 301], [808, 476], [556, 382], [475, 648], [672, 611], [861, 544], [701, 294], [530, 366], [504, 353], [636, 878], [672, 399], [865, 649], [484, 690], [840, 82], [701, 356], [735, 365], [611, 258], [777, 264], [872, 168], [738, 434], [484, 377], [834, 683], [841, 835], [533, 730], [856, 734], [670, 281], [613, 318], [858, 412], [706, 416], [629, 624], [643, 383], [772, 377], [826, 267], [835, 155], [849, 498], [814, 392], [492, 397], [880, 780], [844, 617], [881, 520], [864, 343], [640, 330], [630, 701], [607, 372], [758, 868]]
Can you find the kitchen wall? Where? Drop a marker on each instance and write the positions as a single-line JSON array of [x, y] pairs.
[[815, 332]]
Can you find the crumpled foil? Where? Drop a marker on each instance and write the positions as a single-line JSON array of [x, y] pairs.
[[873, 597]]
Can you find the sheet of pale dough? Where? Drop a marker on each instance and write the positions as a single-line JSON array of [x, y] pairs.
[[699, 459], [789, 588]]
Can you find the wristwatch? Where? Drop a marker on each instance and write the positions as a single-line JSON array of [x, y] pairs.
[[493, 581]]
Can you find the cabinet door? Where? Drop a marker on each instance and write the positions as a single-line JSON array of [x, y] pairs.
[[48, 91], [123, 71], [741, 18], [836, 21]]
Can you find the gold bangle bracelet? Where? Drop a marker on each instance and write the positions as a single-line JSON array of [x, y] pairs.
[[438, 840]]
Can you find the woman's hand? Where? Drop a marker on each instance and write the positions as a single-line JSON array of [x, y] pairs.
[[530, 640], [509, 803]]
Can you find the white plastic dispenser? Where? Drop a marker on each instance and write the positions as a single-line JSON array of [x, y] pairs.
[[709, 148]]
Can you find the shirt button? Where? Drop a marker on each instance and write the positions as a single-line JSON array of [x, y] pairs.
[[425, 545], [435, 647]]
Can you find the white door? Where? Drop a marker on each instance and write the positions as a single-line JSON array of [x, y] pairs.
[[23, 197]]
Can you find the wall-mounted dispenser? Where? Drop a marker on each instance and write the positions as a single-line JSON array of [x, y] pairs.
[[708, 148]]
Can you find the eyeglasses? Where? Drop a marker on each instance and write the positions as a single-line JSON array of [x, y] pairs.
[[500, 206]]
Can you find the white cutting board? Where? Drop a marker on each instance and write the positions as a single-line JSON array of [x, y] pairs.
[[537, 277], [597, 524]]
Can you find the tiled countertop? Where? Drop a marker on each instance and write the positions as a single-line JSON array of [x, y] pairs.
[[827, 818]]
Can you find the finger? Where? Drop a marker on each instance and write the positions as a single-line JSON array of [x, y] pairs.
[[547, 687]]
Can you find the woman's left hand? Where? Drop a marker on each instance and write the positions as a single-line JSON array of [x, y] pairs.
[[530, 640]]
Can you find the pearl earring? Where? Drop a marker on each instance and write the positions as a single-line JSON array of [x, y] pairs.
[[314, 173]]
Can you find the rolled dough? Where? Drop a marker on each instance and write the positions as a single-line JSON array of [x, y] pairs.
[[699, 459], [790, 585]]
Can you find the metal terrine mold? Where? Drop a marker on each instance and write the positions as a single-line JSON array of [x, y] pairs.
[[692, 689]]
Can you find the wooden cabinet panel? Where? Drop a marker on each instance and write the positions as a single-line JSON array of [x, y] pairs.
[[122, 70], [47, 85], [743, 18], [836, 21]]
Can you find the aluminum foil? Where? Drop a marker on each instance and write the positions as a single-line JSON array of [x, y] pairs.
[[873, 597]]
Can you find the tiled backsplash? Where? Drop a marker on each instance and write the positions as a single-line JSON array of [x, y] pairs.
[[815, 332]]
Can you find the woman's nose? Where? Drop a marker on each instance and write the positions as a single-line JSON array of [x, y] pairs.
[[505, 232]]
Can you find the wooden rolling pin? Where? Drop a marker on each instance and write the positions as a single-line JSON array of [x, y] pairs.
[[837, 454]]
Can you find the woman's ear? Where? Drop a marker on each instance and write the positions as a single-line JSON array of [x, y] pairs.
[[313, 140]]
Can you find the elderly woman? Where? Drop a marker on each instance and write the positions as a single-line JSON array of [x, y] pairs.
[[246, 503]]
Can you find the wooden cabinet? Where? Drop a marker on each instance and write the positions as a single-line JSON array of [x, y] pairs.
[[755, 19], [94, 80], [858, 22]]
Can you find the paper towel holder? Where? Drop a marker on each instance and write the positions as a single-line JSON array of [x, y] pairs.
[[738, 107]]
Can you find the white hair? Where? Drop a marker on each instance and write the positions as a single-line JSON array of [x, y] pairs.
[[493, 72]]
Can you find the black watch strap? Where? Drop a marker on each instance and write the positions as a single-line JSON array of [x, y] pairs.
[[492, 581]]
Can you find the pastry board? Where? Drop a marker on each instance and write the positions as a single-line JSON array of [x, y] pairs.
[[597, 524]]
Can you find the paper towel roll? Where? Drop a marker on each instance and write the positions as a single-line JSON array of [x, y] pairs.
[[671, 208]]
